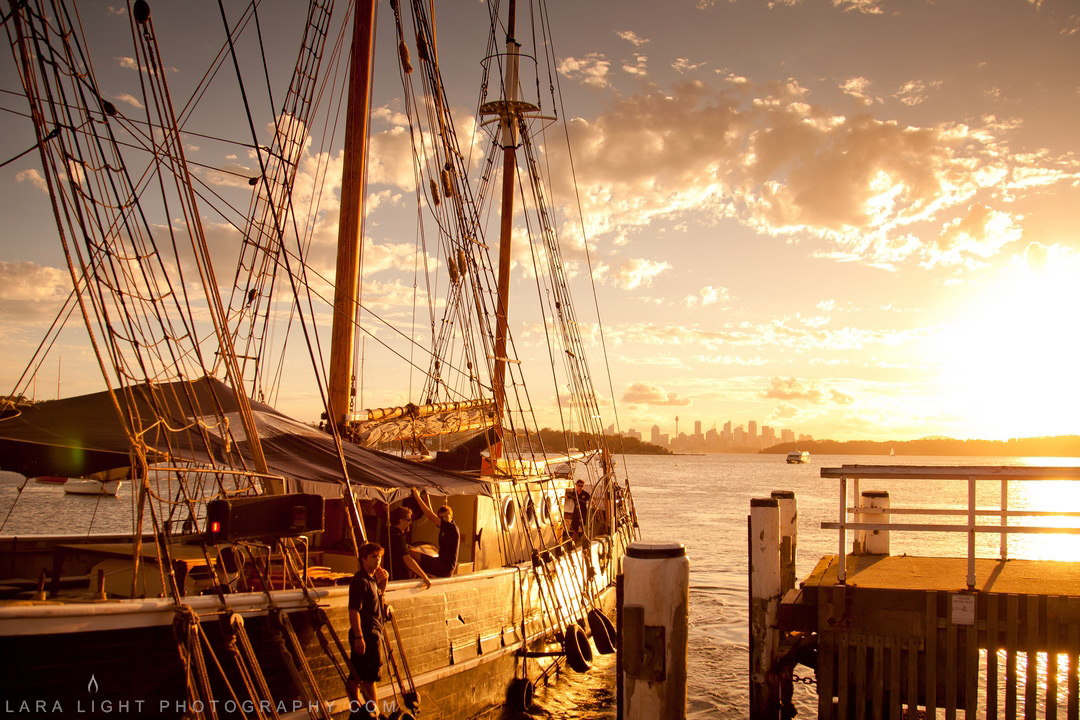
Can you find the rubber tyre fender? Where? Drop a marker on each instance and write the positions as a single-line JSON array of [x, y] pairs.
[[521, 694], [411, 700], [577, 649], [603, 632]]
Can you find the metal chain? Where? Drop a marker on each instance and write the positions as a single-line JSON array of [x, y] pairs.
[[804, 680]]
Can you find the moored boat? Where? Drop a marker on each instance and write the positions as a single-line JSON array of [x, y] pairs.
[[89, 486], [797, 457], [230, 591], [50, 480]]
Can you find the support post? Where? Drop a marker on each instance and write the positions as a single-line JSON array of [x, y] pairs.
[[655, 618], [39, 594], [765, 594], [1004, 518], [873, 542], [841, 552], [789, 537], [971, 533], [619, 689]]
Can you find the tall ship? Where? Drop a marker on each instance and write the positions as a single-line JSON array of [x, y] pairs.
[[229, 595]]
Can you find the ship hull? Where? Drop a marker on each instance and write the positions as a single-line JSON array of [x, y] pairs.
[[464, 640]]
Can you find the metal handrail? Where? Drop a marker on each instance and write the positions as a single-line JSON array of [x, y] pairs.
[[972, 474]]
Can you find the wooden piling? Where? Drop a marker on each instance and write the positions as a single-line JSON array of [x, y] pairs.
[[789, 537], [765, 593]]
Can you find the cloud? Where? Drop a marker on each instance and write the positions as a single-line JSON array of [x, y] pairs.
[[979, 234], [867, 7], [388, 256], [792, 389], [683, 65], [129, 99], [840, 398], [653, 361], [231, 175], [1036, 256], [639, 68], [33, 177], [915, 92], [731, 360], [869, 190], [784, 411], [592, 70], [30, 293], [789, 334], [708, 295], [857, 87], [638, 272], [651, 394], [631, 37]]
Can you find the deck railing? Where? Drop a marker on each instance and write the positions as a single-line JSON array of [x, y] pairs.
[[853, 517]]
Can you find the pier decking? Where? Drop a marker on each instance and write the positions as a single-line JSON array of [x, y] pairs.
[[908, 572], [901, 636]]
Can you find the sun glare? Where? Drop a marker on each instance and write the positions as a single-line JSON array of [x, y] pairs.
[[1009, 364]]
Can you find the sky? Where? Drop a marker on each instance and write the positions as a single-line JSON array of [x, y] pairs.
[[855, 219]]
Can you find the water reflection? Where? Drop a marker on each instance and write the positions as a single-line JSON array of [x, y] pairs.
[[569, 695], [1062, 495], [1050, 687]]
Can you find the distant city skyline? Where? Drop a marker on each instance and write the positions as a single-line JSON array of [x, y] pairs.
[[728, 437]]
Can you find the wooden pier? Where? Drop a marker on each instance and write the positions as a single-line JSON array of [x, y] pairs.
[[901, 636]]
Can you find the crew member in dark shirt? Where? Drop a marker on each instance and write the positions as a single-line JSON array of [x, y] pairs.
[[444, 563], [403, 565], [366, 616], [581, 509]]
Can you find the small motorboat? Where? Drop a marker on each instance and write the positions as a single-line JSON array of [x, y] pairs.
[[796, 457], [50, 480], [89, 486]]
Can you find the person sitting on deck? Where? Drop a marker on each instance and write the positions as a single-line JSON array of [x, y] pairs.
[[366, 617], [445, 562], [401, 562]]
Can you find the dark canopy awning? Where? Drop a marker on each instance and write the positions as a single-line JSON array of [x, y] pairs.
[[180, 422]]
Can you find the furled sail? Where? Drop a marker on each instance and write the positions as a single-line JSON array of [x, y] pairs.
[[409, 422], [82, 435]]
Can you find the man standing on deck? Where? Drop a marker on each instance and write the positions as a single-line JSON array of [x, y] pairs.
[[449, 538], [401, 562], [581, 508], [366, 616]]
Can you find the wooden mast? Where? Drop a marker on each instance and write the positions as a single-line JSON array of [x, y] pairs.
[[509, 127], [350, 242]]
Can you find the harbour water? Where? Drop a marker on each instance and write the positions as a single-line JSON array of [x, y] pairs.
[[701, 501]]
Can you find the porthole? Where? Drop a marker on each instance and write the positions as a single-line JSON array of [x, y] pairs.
[[551, 509], [509, 513]]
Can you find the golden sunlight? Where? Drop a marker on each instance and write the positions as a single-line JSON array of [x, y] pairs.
[[1046, 496], [1009, 363]]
